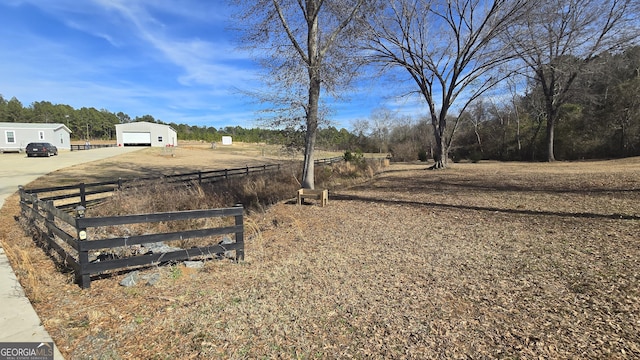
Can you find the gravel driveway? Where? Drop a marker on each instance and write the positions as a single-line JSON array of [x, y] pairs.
[[18, 169]]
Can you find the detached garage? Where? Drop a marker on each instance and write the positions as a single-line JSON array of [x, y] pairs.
[[144, 133]]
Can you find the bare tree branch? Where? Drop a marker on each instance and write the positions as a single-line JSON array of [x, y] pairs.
[[562, 37], [450, 49], [303, 45]]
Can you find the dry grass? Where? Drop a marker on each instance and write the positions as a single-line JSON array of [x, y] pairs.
[[483, 260]]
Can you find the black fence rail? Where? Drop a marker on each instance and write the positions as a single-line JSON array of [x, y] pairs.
[[80, 193], [86, 193], [89, 146], [215, 175], [67, 233], [329, 161], [56, 217]]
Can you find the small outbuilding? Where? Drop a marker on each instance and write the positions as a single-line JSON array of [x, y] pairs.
[[227, 140], [14, 137], [143, 133]]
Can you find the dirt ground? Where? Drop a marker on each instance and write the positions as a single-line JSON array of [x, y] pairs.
[[487, 260]]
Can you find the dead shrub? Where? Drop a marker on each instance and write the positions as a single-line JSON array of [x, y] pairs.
[[348, 173], [406, 152], [255, 192]]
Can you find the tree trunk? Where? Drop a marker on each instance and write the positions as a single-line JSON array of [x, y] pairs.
[[475, 129], [551, 121], [440, 152], [308, 173], [550, 133], [518, 141], [623, 145]]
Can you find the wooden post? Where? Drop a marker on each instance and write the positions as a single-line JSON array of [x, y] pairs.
[[34, 202], [83, 195], [22, 199], [83, 278], [240, 236], [51, 222]]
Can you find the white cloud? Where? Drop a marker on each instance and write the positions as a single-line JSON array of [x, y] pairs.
[[166, 58], [203, 61]]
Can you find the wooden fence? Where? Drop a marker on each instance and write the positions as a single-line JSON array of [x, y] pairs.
[[89, 147], [66, 232], [64, 228], [83, 191], [328, 161], [87, 193]]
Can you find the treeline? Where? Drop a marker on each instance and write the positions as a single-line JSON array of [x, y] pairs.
[[90, 123], [601, 119]]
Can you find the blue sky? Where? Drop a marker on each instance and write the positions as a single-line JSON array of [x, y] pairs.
[[170, 59]]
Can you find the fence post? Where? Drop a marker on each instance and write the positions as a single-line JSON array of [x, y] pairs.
[[22, 199], [199, 177], [240, 236], [50, 223], [226, 174], [34, 202], [83, 277], [119, 183], [247, 169], [83, 195]]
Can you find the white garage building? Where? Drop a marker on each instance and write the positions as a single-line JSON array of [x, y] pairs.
[[144, 133]]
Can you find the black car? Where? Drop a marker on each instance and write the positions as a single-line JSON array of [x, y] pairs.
[[41, 149]]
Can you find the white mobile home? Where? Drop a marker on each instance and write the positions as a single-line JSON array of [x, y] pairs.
[[14, 137], [144, 133]]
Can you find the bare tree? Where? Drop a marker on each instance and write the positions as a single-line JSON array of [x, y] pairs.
[[514, 104], [559, 40], [479, 114], [360, 127], [382, 122], [306, 46], [450, 49]]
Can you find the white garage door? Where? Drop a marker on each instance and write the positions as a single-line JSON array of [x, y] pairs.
[[136, 138]]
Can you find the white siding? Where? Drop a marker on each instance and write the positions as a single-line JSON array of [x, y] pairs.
[[158, 134], [16, 136]]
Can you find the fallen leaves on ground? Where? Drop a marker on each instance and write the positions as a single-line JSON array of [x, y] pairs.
[[483, 260]]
